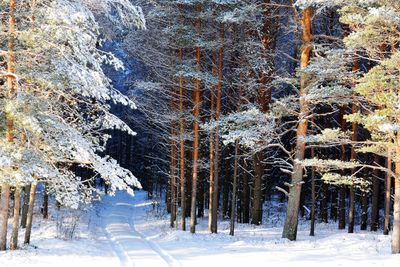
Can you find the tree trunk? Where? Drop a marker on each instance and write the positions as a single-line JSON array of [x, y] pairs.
[[4, 204], [182, 148], [375, 198], [324, 202], [352, 202], [25, 207], [257, 189], [342, 207], [334, 205], [212, 226], [196, 136], [225, 193], [313, 200], [396, 212], [364, 214], [246, 193], [17, 206], [213, 205], [5, 193], [32, 196], [388, 188], [173, 166], [291, 221], [233, 199]]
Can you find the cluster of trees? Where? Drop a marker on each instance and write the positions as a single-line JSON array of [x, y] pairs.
[[248, 100], [55, 103]]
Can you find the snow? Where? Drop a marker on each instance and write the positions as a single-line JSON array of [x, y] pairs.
[[132, 231]]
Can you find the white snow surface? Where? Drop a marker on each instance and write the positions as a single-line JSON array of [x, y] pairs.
[[133, 231]]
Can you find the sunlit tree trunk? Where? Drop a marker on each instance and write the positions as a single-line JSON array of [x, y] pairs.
[[291, 221], [196, 134], [17, 206], [5, 189], [396, 206], [29, 219]]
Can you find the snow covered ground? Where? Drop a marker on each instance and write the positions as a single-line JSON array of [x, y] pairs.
[[126, 231]]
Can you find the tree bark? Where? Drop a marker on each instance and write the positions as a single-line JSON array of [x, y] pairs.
[[4, 204], [225, 193], [32, 196], [313, 197], [246, 193], [196, 136], [353, 154], [5, 194], [173, 179], [342, 207], [396, 206], [388, 188], [257, 189], [17, 206], [182, 149], [212, 227], [364, 212], [324, 203], [25, 207], [375, 198], [233, 199], [292, 212]]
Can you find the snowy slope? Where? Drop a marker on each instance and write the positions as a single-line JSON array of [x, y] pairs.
[[126, 231]]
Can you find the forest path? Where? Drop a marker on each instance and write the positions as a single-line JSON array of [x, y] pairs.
[[133, 248]]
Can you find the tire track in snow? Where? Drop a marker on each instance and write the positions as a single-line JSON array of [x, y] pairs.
[[121, 253], [127, 217], [171, 261]]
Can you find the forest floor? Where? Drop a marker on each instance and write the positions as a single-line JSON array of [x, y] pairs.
[[133, 231]]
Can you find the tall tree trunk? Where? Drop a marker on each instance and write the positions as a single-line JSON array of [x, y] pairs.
[[25, 207], [4, 204], [342, 207], [364, 211], [352, 202], [196, 136], [246, 193], [396, 212], [182, 148], [313, 197], [32, 196], [213, 206], [324, 202], [225, 193], [342, 189], [17, 206], [5, 193], [173, 179], [334, 205], [257, 189], [291, 221], [375, 198], [233, 199], [388, 188], [212, 227], [353, 154]]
